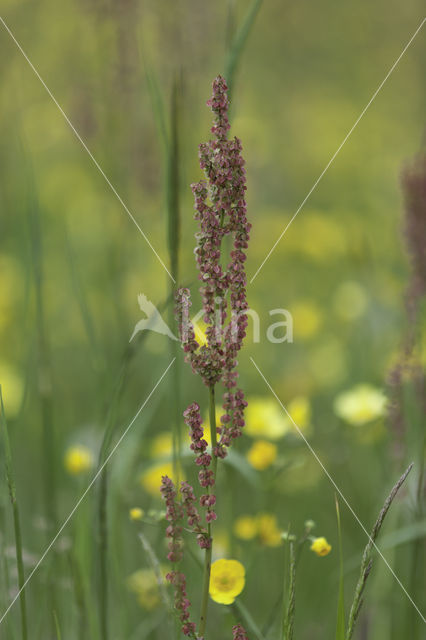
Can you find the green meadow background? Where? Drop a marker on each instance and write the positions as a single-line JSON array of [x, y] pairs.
[[133, 77]]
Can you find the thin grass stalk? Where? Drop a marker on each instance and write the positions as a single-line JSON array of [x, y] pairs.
[[16, 521], [156, 567], [417, 547], [243, 614], [288, 625], [340, 623], [173, 218], [238, 43], [208, 552], [367, 561], [44, 372]]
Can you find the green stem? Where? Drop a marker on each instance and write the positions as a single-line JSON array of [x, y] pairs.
[[291, 602], [208, 555], [17, 525]]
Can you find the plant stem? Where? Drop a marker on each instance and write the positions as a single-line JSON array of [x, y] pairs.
[[208, 555], [291, 602], [367, 562], [17, 525]]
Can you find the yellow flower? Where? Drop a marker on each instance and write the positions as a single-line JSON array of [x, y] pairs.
[[162, 446], [227, 580], [327, 363], [145, 585], [360, 405], [300, 410], [265, 419], [136, 514], [151, 478], [320, 546], [245, 527], [12, 389], [267, 530], [78, 460], [262, 454], [307, 319], [200, 332], [350, 300]]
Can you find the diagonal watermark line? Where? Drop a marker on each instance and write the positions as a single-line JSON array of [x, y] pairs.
[[333, 157], [338, 490], [85, 147], [84, 494]]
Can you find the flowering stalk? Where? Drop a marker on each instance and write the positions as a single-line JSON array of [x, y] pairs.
[[220, 210]]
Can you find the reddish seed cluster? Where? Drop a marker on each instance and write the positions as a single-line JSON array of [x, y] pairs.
[[199, 446], [220, 209], [173, 516], [239, 633], [182, 604], [414, 185]]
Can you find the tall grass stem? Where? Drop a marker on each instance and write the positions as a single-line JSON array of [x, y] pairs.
[[16, 521]]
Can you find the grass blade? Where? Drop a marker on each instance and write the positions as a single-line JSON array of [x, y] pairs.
[[16, 521], [367, 562], [340, 626], [244, 614], [238, 43]]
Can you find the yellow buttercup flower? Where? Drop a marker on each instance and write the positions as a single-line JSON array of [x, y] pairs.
[[268, 531], [245, 527], [78, 460], [136, 514], [264, 526], [360, 405], [227, 580], [320, 546], [145, 585], [262, 454], [151, 478], [300, 410], [162, 446], [265, 419]]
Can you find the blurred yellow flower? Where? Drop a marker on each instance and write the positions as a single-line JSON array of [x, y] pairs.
[[78, 460], [262, 454], [227, 580], [350, 300], [145, 585], [330, 238], [300, 410], [307, 319], [162, 445], [327, 362], [360, 405], [12, 389], [264, 526], [151, 478], [136, 514], [320, 546], [200, 332], [265, 419], [245, 527], [268, 531]]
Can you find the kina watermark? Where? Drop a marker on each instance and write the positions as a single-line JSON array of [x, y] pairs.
[[278, 330]]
